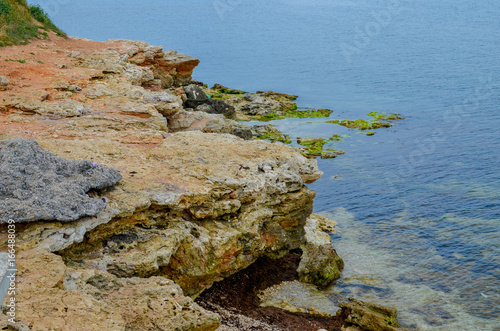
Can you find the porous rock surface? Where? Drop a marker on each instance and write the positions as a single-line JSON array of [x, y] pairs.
[[38, 185]]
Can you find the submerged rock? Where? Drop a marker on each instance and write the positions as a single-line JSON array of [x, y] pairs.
[[298, 297], [38, 185], [369, 316]]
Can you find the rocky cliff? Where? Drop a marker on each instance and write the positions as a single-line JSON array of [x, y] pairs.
[[194, 204]]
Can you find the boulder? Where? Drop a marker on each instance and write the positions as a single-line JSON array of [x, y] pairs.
[[38, 185], [320, 264], [369, 316], [195, 92]]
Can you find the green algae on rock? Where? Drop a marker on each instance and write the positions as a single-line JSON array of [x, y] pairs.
[[314, 148], [295, 113], [262, 105], [375, 123], [270, 133], [392, 117], [226, 90]]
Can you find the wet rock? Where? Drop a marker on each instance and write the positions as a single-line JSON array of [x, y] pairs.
[[369, 316], [320, 264], [270, 133], [37, 185]]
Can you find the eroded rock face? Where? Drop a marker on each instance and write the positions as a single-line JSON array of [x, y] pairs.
[[191, 208], [194, 209], [37, 185], [216, 206]]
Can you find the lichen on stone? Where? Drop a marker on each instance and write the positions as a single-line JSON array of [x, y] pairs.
[[38, 185]]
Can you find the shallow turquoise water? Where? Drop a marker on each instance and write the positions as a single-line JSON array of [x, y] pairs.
[[417, 204]]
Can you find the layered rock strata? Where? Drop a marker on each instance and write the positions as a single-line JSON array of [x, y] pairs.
[[192, 206]]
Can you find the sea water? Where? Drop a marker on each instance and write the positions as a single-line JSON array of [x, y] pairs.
[[417, 205]]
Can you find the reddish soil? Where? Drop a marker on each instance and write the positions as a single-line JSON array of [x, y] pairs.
[[238, 293]]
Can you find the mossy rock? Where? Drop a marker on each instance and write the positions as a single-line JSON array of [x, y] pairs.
[[226, 90], [369, 316], [274, 137], [295, 114], [375, 123], [314, 147]]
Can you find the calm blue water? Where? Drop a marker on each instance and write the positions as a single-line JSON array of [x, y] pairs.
[[418, 204]]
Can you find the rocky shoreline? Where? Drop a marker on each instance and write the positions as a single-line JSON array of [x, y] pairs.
[[142, 190]]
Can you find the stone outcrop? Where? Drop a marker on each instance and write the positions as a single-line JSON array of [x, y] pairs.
[[195, 203], [38, 186], [320, 264]]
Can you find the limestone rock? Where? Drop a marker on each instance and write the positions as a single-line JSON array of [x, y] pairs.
[[67, 108], [192, 207], [43, 305], [298, 297], [323, 223], [320, 264], [369, 316], [206, 218], [198, 121], [4, 82], [37, 185]]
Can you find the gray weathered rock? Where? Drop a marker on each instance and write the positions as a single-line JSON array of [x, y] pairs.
[[320, 264], [4, 81], [241, 130], [37, 185]]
